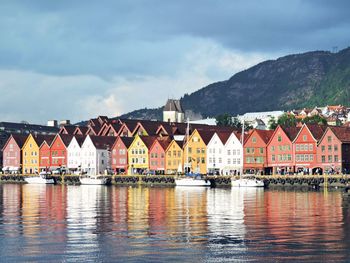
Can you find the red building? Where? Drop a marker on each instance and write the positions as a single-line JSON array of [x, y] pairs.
[[255, 154], [280, 151], [333, 151], [12, 153], [120, 154], [58, 150], [157, 156], [45, 154], [305, 148]]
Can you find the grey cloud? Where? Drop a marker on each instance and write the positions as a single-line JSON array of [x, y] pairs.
[[149, 37]]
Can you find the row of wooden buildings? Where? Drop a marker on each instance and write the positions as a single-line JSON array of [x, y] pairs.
[[143, 147]]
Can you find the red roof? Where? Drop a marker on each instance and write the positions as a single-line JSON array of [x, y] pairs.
[[342, 133], [265, 135], [206, 135], [291, 132], [316, 130], [148, 140], [103, 142], [39, 139], [224, 136]]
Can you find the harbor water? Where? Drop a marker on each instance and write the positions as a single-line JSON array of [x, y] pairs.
[[60, 223]]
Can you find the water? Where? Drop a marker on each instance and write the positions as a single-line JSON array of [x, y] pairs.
[[41, 223]]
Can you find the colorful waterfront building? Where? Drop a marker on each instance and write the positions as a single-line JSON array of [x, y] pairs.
[[333, 150], [195, 151], [12, 153], [157, 162], [58, 150], [74, 152], [280, 150], [138, 154], [255, 154], [305, 148], [120, 160], [96, 154], [174, 157], [45, 154], [30, 153]]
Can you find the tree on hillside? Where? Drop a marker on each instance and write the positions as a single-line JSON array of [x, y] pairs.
[[287, 120], [315, 119], [272, 124], [227, 121], [224, 120]]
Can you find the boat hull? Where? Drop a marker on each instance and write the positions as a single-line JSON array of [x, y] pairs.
[[94, 181], [247, 183], [39, 180], [191, 182]]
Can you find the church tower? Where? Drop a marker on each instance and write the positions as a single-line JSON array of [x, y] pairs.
[[173, 112]]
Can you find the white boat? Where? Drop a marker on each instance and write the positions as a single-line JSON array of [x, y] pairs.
[[94, 179], [43, 178], [192, 181], [247, 182]]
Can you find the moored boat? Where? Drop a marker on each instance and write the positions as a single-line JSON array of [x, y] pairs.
[[192, 181], [94, 180], [42, 178], [249, 181]]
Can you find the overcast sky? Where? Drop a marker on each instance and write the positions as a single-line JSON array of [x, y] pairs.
[[79, 59]]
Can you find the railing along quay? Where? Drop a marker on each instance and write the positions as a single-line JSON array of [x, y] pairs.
[[216, 181]]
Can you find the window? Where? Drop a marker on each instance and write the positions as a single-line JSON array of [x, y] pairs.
[[273, 158], [220, 160], [329, 138], [228, 152], [297, 148], [304, 138], [203, 151], [311, 147], [198, 150], [279, 138], [329, 148], [323, 148], [228, 161], [336, 158], [335, 148], [323, 158], [329, 158], [261, 150], [253, 139]]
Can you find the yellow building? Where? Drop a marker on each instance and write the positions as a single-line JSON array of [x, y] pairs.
[[195, 151], [174, 157], [30, 153], [138, 154]]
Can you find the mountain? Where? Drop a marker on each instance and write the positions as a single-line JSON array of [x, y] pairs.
[[295, 81]]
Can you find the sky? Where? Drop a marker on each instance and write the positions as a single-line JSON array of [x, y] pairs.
[[80, 59]]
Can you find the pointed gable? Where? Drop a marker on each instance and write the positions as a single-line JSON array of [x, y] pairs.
[[103, 142], [19, 139]]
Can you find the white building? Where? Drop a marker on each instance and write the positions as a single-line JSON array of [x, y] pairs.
[[224, 154], [265, 116], [96, 154], [74, 152], [173, 112]]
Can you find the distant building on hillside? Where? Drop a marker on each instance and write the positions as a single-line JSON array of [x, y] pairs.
[[263, 117], [173, 112]]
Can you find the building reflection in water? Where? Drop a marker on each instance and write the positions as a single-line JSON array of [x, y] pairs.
[[84, 204], [98, 223], [289, 225]]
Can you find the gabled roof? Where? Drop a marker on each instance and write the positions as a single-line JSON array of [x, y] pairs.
[[67, 129], [39, 139], [127, 141], [291, 132], [81, 130], [20, 139], [316, 130], [265, 135], [148, 140], [206, 135], [80, 139], [66, 139], [103, 142], [224, 136], [342, 133], [173, 105], [150, 127]]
